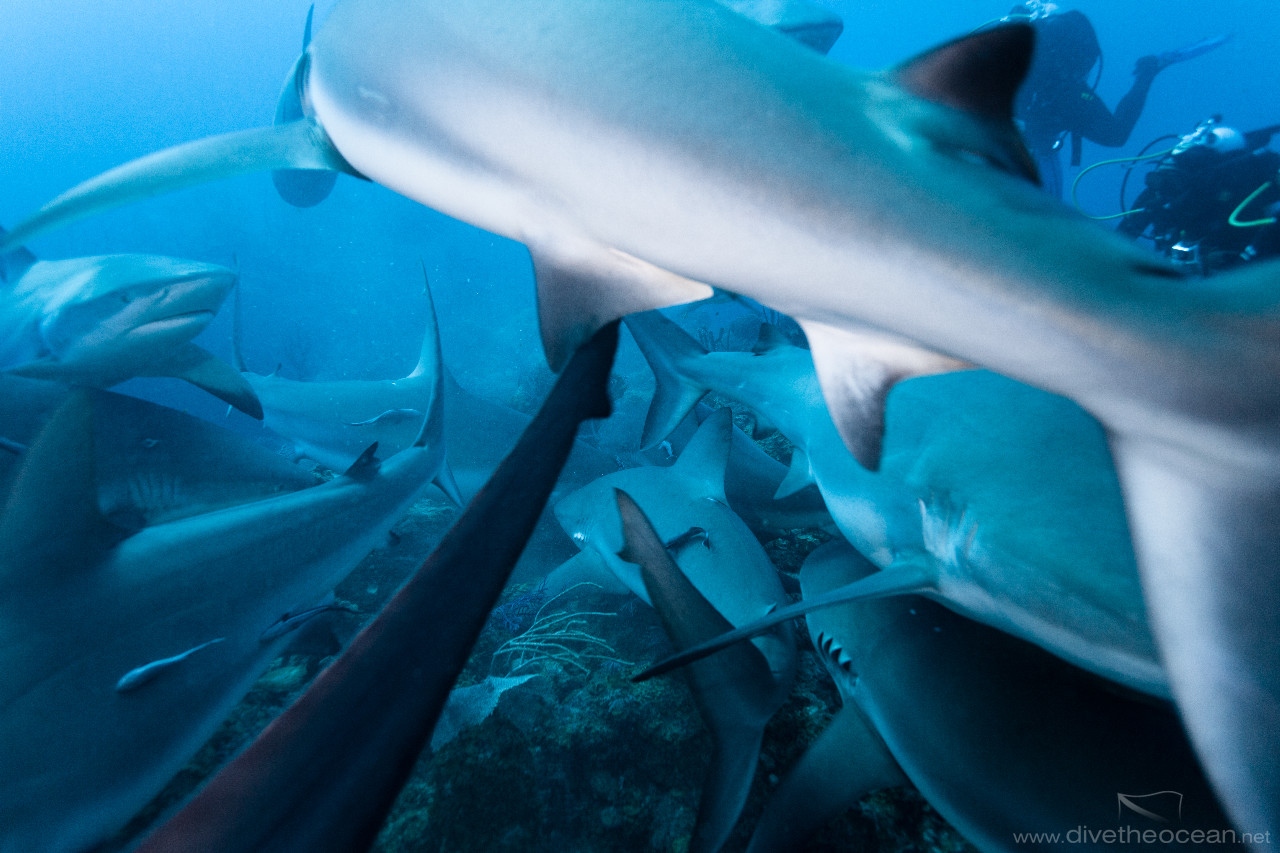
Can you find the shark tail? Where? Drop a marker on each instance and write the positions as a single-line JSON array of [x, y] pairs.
[[431, 364], [848, 760], [300, 187], [302, 144], [903, 579], [733, 694], [666, 347]]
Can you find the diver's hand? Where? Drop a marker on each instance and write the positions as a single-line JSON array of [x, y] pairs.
[[1149, 66]]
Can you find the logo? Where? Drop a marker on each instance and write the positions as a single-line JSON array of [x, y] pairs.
[[1162, 806]]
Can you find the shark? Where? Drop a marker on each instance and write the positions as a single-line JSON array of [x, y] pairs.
[[849, 759], [999, 736], [109, 603], [122, 650], [722, 558], [646, 152], [324, 774], [98, 321], [984, 489], [332, 422], [151, 463]]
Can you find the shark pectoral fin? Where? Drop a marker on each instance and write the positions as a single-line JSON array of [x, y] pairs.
[[208, 373], [1208, 542], [705, 458], [978, 75], [901, 579], [799, 475], [732, 693], [300, 187], [856, 371], [300, 145], [847, 761], [51, 521], [446, 482], [583, 285], [666, 347]]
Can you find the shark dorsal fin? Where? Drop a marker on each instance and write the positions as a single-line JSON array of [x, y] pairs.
[[979, 73], [52, 520], [770, 338], [366, 466], [706, 456]]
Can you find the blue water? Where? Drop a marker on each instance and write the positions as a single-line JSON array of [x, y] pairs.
[[334, 289]]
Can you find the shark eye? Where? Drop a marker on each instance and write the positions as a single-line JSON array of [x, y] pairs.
[[579, 537]]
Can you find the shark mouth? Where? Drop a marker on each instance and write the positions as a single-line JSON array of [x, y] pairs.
[[176, 322]]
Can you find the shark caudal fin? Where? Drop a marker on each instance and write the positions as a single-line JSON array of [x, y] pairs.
[[856, 371], [733, 693], [666, 346], [901, 579], [302, 144], [431, 366], [300, 187], [848, 760]]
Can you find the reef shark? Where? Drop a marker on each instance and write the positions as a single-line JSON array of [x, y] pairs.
[[736, 696], [645, 151], [720, 556], [100, 702], [985, 489], [98, 321], [332, 422], [150, 463], [1000, 737], [324, 774]]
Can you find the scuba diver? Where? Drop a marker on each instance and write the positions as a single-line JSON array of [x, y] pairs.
[[1212, 201], [1057, 99]]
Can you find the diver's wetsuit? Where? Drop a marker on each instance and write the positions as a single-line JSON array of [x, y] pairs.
[[1056, 98]]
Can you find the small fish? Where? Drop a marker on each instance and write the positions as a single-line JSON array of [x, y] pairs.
[[135, 678], [293, 621]]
